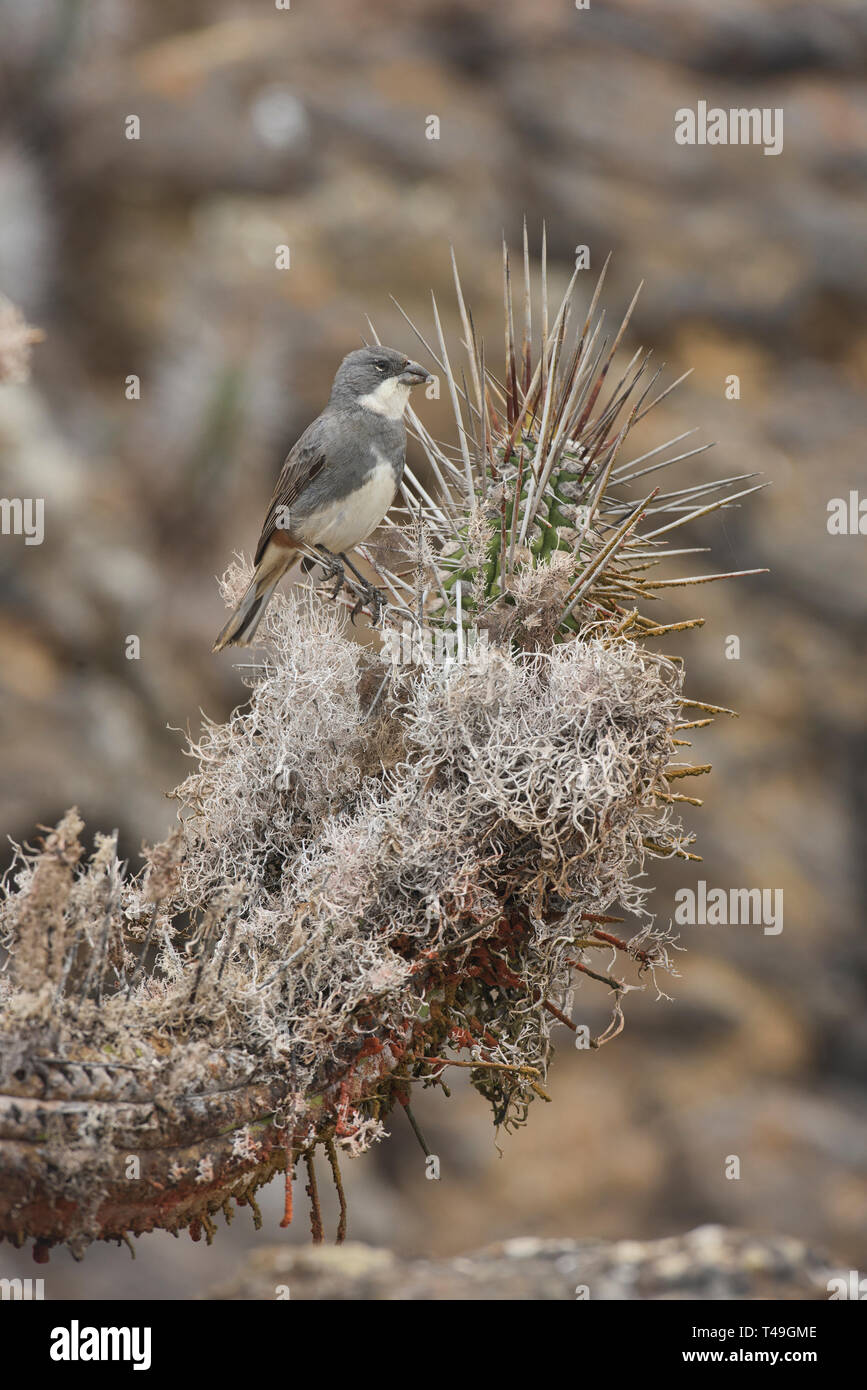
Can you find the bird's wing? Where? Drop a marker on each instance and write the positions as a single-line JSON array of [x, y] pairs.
[[304, 460]]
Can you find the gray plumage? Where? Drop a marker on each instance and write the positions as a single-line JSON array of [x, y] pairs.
[[338, 481]]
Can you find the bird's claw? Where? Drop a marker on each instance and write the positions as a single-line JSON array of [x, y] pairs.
[[338, 574], [369, 593], [377, 603], [372, 596]]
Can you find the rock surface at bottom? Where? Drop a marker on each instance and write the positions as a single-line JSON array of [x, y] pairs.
[[711, 1262]]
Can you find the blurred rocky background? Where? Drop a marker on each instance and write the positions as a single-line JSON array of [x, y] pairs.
[[710, 1263], [155, 257]]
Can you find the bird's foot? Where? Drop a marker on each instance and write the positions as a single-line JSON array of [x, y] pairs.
[[372, 596], [339, 578], [334, 569]]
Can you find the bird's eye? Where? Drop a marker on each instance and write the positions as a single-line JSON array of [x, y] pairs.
[[381, 366]]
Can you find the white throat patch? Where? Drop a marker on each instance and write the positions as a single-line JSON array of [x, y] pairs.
[[389, 398]]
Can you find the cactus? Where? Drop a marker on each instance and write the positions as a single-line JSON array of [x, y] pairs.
[[387, 864]]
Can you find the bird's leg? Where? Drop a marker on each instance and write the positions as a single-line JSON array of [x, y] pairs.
[[370, 594], [334, 567]]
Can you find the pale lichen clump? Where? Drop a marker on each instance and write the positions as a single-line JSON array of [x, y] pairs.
[[376, 864], [526, 787], [326, 891]]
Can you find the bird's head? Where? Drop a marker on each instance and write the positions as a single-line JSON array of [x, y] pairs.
[[378, 379]]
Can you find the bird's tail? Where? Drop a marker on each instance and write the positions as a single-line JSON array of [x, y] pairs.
[[241, 627]]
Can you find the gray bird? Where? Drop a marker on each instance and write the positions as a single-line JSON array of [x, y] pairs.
[[338, 481]]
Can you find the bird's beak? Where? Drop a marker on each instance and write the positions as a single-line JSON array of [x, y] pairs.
[[414, 374]]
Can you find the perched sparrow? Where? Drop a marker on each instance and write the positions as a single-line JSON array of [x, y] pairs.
[[338, 481]]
